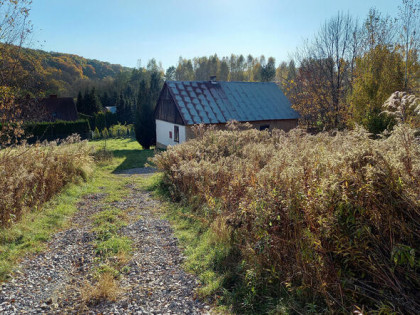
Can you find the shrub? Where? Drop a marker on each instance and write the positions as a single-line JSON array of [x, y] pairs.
[[32, 174], [330, 218], [105, 133], [100, 121], [96, 134], [120, 131]]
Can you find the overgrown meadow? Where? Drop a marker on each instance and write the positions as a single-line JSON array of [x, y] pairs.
[[32, 174], [321, 223]]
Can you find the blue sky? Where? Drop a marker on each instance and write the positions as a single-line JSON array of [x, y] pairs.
[[124, 31]]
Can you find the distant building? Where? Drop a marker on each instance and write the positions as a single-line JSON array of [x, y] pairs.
[[58, 108], [182, 104], [111, 109]]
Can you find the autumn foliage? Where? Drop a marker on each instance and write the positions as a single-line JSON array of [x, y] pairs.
[[330, 218]]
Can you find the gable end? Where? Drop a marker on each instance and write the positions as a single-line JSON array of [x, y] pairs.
[[166, 108]]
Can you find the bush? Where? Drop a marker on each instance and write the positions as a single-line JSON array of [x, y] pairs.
[[100, 121], [329, 218], [96, 134], [120, 131], [32, 174], [105, 133]]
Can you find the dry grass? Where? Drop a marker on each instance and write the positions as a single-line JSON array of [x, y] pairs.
[[32, 174], [335, 218], [106, 288]]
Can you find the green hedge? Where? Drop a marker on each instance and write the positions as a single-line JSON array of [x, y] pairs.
[[57, 129]]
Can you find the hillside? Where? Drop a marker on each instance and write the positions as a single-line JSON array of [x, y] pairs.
[[46, 73]]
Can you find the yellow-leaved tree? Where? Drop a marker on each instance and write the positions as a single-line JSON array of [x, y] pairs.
[[378, 74], [14, 31]]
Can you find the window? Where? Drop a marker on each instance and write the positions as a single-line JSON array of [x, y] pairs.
[[170, 134], [264, 127], [176, 133]]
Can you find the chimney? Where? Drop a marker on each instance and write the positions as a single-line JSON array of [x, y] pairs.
[[53, 96], [213, 79]]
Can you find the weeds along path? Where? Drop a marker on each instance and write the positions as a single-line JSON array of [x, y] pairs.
[[117, 257]]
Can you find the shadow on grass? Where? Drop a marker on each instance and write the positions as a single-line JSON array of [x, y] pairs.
[[133, 158]]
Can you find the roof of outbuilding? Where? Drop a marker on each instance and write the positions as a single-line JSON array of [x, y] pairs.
[[59, 108], [218, 102]]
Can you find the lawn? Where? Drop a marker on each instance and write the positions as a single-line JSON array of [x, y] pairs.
[[127, 153]]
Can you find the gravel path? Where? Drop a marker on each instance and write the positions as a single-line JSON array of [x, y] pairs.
[[52, 282]]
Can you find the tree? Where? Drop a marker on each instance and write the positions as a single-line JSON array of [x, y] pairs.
[[121, 110], [378, 74], [170, 73], [155, 87], [268, 71], [410, 37], [94, 104], [90, 103], [105, 99], [310, 95], [80, 103], [237, 67], [145, 123], [281, 73], [325, 72], [14, 31], [184, 70], [377, 30], [223, 73]]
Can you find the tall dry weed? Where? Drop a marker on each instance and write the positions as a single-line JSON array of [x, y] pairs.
[[32, 174], [335, 217]]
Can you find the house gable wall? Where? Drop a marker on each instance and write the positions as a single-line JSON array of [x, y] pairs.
[[163, 130], [166, 109]]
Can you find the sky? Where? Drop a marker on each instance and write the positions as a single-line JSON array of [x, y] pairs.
[[126, 31]]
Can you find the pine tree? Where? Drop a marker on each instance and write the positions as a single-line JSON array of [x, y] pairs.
[[95, 103], [155, 86], [121, 109], [86, 101], [268, 71], [105, 100], [130, 110], [80, 103], [145, 123]]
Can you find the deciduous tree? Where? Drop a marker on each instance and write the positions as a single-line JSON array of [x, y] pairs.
[[378, 74], [409, 14], [325, 72]]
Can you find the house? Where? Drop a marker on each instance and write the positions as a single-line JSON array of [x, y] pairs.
[[58, 108], [111, 109], [182, 104]]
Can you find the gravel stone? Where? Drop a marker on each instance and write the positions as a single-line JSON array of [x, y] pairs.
[[51, 282]]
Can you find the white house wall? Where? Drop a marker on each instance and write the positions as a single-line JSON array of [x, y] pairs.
[[162, 133]]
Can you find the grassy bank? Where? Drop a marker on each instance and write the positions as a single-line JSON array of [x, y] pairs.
[[300, 223], [37, 223]]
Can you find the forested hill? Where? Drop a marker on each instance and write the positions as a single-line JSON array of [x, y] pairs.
[[60, 73]]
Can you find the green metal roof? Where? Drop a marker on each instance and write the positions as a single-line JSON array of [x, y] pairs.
[[213, 102]]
